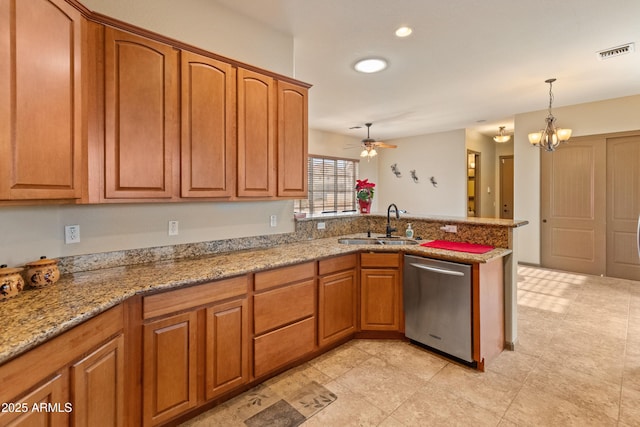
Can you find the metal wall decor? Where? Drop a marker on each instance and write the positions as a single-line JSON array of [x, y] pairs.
[[396, 171]]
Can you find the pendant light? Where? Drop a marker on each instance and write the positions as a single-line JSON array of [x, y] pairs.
[[550, 137], [501, 138]]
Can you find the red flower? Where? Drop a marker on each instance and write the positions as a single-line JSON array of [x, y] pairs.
[[364, 189]]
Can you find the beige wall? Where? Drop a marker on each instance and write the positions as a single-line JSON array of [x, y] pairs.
[[441, 155], [613, 115]]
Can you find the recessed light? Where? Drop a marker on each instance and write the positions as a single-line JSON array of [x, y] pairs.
[[403, 31], [370, 65]]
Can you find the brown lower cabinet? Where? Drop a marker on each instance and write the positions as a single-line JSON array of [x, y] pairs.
[[284, 327], [381, 292], [210, 320], [337, 298], [76, 378]]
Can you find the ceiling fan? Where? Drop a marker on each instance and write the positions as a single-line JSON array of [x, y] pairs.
[[369, 144]]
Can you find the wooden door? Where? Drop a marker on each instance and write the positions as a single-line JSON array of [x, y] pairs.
[[169, 367], [53, 391], [227, 347], [506, 187], [572, 207], [380, 299], [208, 114], [141, 122], [256, 135], [292, 141], [41, 122], [98, 386], [623, 206], [336, 306]]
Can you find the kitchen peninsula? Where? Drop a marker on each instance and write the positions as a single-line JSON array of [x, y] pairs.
[[138, 311]]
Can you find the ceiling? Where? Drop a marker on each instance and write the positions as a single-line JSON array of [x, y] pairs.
[[468, 64]]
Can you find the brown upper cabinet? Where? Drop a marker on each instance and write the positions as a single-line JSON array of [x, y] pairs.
[[292, 140], [256, 134], [141, 116], [208, 145], [41, 114], [106, 112]]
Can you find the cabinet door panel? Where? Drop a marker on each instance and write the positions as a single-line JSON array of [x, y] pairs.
[[208, 127], [336, 306], [98, 386], [227, 347], [170, 374], [41, 121], [292, 141], [140, 116], [380, 299], [52, 392], [256, 134]]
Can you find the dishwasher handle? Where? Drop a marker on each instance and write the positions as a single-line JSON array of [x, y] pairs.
[[437, 270]]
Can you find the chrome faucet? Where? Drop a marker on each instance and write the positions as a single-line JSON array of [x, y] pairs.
[[389, 229]]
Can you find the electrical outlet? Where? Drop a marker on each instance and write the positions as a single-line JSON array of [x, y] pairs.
[[449, 228], [173, 228], [71, 234], [273, 220], [321, 226]]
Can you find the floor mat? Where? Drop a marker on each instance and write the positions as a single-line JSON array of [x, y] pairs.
[[294, 410]]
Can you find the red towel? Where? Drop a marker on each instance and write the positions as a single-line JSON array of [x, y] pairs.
[[458, 246]]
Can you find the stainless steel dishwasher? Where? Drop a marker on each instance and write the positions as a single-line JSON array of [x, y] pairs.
[[437, 304]]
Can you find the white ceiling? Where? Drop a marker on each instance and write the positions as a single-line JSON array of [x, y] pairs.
[[466, 61]]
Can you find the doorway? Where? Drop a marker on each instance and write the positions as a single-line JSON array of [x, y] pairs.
[[473, 183], [590, 202], [506, 187]]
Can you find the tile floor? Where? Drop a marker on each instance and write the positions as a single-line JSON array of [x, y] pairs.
[[577, 364]]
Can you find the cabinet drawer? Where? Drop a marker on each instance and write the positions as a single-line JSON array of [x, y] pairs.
[[284, 345], [281, 276], [281, 306], [182, 299], [339, 263], [373, 259]]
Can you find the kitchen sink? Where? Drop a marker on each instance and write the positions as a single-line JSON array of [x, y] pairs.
[[377, 241]]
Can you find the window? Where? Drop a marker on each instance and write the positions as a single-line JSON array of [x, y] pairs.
[[332, 183]]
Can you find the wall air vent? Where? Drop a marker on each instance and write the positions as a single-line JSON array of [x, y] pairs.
[[616, 51]]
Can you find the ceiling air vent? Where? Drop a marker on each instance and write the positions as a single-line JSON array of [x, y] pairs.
[[616, 51]]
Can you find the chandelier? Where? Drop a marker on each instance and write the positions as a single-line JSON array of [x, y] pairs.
[[550, 137], [501, 137]]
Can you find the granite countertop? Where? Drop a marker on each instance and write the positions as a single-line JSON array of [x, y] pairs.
[[37, 315]]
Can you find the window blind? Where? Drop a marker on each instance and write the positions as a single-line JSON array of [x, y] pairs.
[[332, 184]]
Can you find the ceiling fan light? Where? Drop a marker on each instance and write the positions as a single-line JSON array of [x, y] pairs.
[[373, 152], [370, 65]]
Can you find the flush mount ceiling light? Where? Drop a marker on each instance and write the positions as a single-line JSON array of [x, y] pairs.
[[404, 31], [370, 65], [501, 137], [550, 137]]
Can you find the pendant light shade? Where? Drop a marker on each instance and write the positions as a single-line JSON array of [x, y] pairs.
[[501, 138]]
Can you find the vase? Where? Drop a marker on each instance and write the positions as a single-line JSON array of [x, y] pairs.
[[365, 206]]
